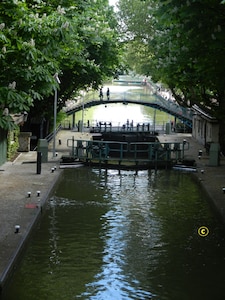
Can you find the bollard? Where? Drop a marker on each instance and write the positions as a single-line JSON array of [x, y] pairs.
[[39, 158], [223, 189], [28, 194], [38, 193], [52, 169], [17, 228]]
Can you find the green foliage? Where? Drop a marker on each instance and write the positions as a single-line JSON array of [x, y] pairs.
[[61, 117], [37, 39], [183, 41], [6, 122], [13, 143], [181, 44]]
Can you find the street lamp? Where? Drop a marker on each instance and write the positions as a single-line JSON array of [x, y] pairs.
[[56, 77], [82, 128], [154, 120]]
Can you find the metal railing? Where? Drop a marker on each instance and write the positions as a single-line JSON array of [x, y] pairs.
[[147, 99], [132, 151], [50, 136]]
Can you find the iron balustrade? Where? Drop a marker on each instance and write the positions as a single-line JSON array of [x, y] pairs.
[[154, 100], [132, 151]]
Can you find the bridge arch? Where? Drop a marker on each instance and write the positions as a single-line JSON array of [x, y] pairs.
[[155, 101]]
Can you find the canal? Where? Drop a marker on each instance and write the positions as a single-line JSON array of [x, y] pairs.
[[119, 235]]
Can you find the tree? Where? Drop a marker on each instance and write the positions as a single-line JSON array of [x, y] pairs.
[[136, 31], [195, 33], [185, 50], [39, 38], [90, 55], [26, 72]]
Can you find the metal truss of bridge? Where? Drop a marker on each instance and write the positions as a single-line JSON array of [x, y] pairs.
[[154, 100]]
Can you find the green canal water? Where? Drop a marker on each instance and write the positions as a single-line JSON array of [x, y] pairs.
[[123, 235]]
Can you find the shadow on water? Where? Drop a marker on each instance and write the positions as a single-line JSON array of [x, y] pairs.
[[110, 235]]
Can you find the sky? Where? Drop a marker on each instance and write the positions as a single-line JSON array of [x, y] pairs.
[[112, 2]]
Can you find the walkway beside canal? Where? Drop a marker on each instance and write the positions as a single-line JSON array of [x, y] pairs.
[[20, 177]]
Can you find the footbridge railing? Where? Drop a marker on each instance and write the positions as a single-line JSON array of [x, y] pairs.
[[147, 99]]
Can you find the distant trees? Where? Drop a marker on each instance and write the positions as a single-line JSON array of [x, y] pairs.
[[180, 43], [76, 39]]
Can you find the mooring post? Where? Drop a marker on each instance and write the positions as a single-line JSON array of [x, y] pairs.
[[39, 159], [184, 143], [73, 150]]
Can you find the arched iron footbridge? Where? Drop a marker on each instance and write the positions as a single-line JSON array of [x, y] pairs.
[[153, 100]]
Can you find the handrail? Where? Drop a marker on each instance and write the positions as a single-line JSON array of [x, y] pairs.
[[151, 100], [50, 136], [106, 150]]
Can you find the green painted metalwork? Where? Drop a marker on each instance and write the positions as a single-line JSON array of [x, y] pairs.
[[125, 151], [155, 101], [152, 98]]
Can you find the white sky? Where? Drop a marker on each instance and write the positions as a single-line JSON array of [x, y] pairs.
[[112, 2]]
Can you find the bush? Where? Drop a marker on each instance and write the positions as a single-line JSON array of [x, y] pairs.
[[12, 143]]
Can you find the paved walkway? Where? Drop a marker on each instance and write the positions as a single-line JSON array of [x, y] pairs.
[[19, 178]]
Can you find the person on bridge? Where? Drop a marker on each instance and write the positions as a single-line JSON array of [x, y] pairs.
[[107, 93], [101, 94]]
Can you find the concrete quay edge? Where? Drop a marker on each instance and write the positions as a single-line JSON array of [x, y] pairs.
[[17, 178], [12, 244], [22, 244]]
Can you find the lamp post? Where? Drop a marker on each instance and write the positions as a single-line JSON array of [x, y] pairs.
[[55, 112], [154, 119], [82, 127]]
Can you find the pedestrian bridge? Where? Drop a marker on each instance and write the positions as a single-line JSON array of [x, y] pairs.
[[148, 99]]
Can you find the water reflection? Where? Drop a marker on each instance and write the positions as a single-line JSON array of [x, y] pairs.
[[116, 281], [124, 235]]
